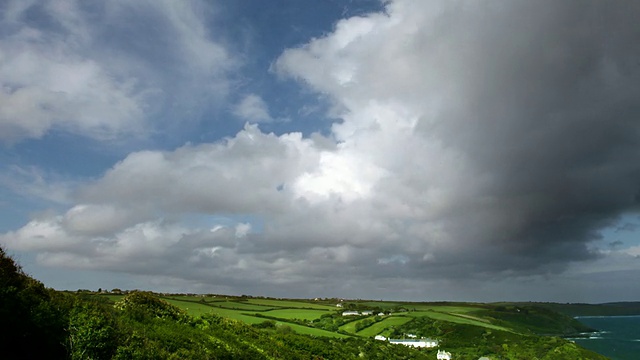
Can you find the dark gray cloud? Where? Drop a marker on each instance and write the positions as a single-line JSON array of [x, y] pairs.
[[549, 116], [538, 101]]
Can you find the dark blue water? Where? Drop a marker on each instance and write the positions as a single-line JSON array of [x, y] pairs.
[[618, 336]]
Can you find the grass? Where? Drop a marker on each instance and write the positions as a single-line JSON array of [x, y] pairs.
[[312, 331], [384, 326], [304, 314], [242, 306], [436, 315], [192, 308], [112, 297], [350, 327], [442, 308], [197, 309], [381, 304], [296, 313], [290, 304]]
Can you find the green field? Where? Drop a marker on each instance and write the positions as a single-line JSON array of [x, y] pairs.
[[112, 297], [297, 314], [196, 308], [350, 327], [241, 305], [381, 304], [303, 314], [192, 308], [436, 315], [383, 327], [443, 308], [312, 331], [302, 310], [290, 304]]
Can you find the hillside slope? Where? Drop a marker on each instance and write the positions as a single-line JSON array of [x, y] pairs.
[[142, 325]]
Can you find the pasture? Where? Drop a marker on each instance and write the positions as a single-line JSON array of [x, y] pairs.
[[296, 313], [384, 326], [242, 305], [303, 314], [454, 318], [192, 308], [290, 304]]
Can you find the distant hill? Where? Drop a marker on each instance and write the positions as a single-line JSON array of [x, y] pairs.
[[577, 309]]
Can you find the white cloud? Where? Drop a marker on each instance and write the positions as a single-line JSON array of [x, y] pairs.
[[66, 70], [239, 174], [47, 86], [35, 183], [253, 109]]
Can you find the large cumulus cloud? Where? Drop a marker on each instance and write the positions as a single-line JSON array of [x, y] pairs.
[[522, 118], [103, 70], [475, 141]]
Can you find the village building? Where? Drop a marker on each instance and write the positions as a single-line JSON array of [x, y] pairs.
[[417, 343], [350, 313], [443, 355]]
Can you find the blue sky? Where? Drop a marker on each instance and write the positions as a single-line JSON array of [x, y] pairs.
[[362, 148]]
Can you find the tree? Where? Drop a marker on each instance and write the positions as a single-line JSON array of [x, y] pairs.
[[141, 304], [93, 332], [30, 313]]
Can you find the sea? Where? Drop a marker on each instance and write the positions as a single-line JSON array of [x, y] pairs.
[[618, 337]]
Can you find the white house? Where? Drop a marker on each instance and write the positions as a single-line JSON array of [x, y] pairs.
[[443, 355], [350, 313], [339, 305], [430, 342], [417, 343], [380, 337], [367, 312]]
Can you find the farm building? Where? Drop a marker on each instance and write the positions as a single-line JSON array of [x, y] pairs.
[[443, 355], [350, 313], [417, 343]]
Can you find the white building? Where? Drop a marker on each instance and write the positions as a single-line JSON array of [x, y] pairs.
[[417, 343], [350, 313], [380, 337], [443, 355]]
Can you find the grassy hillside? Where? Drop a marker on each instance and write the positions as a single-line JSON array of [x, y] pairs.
[[505, 331], [143, 325], [607, 309]]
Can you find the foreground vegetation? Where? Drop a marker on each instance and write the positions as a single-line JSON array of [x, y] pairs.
[[43, 323]]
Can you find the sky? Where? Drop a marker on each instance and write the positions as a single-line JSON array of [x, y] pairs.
[[423, 150]]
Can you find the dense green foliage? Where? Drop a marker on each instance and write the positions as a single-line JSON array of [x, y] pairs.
[[534, 319], [608, 309], [30, 314], [42, 323]]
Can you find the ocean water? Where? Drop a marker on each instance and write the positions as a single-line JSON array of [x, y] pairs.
[[618, 337]]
